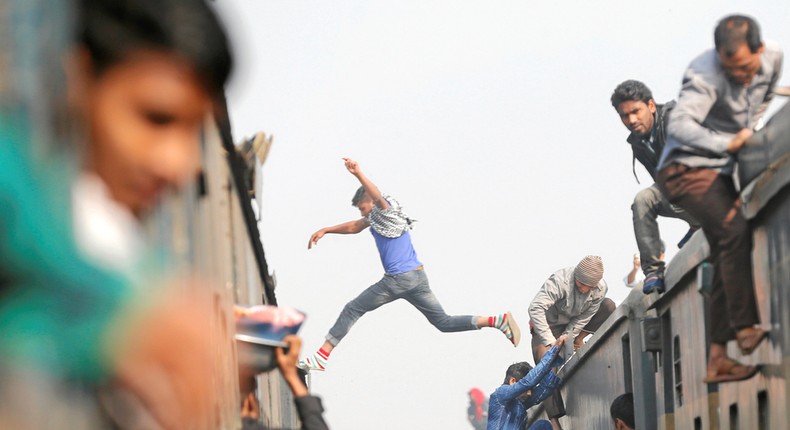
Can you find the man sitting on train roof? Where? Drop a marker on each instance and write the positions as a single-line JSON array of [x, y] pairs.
[[571, 302], [725, 92], [647, 122]]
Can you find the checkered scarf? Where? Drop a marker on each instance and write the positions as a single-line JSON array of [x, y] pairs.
[[391, 222]]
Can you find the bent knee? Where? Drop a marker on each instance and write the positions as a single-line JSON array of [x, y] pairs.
[[646, 199], [607, 306], [443, 325], [355, 308]]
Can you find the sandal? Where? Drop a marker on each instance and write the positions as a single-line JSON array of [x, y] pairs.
[[732, 371], [749, 339]]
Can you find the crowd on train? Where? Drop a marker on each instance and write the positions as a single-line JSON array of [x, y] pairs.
[[143, 75], [689, 148]]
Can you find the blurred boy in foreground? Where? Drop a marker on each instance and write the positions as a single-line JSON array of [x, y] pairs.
[[142, 80]]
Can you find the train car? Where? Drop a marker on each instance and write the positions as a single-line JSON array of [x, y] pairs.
[[655, 346], [211, 228]]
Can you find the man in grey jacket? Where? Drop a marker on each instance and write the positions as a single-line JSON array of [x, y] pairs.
[[571, 302], [725, 92]]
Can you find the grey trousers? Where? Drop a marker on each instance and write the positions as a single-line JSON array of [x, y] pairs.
[[649, 204], [411, 286]]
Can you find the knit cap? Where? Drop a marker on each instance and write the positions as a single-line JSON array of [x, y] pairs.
[[589, 271]]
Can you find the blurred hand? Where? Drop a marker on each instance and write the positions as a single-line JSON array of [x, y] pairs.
[[352, 166], [561, 341], [250, 407], [637, 262], [286, 361], [578, 342], [165, 360], [739, 140]]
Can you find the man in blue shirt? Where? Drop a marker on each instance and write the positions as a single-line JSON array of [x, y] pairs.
[[523, 388], [404, 276]]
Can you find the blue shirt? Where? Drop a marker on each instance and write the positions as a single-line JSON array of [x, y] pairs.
[[506, 411], [397, 254]]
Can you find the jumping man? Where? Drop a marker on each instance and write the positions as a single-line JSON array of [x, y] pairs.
[[404, 276]]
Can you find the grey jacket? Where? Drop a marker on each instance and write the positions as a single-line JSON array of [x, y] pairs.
[[559, 302], [711, 109]]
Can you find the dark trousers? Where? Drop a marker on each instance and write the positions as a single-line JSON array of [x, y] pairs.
[[554, 405], [712, 200]]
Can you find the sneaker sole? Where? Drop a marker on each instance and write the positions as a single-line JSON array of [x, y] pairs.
[[307, 368], [514, 330]]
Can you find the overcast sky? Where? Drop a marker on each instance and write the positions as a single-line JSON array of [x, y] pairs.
[[491, 123]]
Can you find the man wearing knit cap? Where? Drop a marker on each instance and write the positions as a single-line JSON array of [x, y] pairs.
[[571, 302]]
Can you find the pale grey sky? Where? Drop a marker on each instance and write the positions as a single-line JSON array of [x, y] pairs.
[[491, 123]]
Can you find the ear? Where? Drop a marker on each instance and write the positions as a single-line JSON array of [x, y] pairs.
[[761, 49], [619, 424], [511, 381], [79, 72], [651, 104]]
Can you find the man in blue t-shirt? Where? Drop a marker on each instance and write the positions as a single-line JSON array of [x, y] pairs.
[[404, 277]]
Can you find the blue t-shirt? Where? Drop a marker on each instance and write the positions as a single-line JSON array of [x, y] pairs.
[[397, 254]]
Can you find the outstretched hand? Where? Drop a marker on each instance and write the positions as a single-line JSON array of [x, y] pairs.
[[286, 361], [561, 341], [315, 238], [352, 166], [739, 140]]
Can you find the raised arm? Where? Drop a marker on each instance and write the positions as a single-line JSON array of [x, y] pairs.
[[309, 407], [350, 227], [370, 188], [531, 379]]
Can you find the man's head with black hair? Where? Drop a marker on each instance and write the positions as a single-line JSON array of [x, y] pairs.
[[115, 31], [634, 103], [144, 77], [516, 371], [740, 46], [622, 411]]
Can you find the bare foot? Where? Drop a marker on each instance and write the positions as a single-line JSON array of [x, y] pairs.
[[722, 368], [749, 338]]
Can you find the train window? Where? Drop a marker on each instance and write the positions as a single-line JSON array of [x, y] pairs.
[[734, 417], [627, 381], [202, 190], [677, 371], [665, 361], [763, 422]]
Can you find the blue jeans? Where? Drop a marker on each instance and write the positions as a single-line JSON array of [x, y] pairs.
[[411, 286], [540, 425]]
